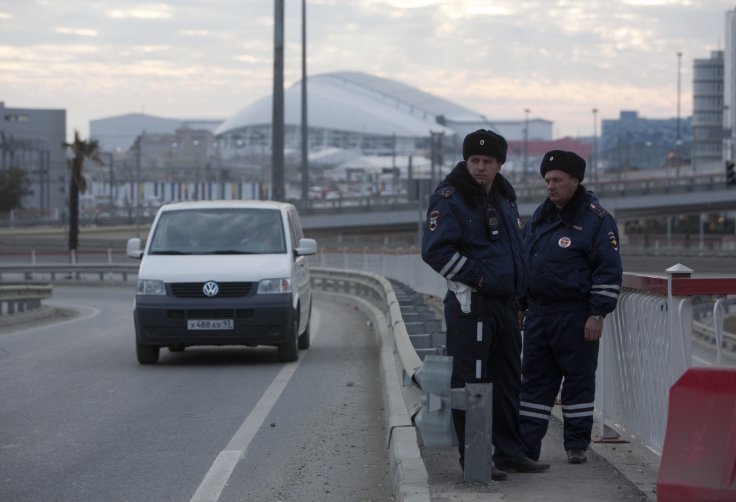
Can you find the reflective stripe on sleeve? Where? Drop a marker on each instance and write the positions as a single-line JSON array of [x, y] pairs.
[[611, 290], [453, 266]]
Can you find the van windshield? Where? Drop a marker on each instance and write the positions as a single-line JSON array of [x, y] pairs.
[[219, 231]]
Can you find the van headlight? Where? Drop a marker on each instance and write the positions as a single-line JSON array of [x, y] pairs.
[[150, 287], [267, 286]]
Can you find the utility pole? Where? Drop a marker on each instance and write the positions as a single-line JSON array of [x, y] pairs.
[[138, 186], [594, 155], [526, 143], [677, 143], [277, 123], [305, 129]]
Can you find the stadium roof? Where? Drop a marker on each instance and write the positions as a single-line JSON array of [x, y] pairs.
[[358, 102]]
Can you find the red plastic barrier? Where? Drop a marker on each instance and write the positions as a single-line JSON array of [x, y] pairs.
[[699, 454]]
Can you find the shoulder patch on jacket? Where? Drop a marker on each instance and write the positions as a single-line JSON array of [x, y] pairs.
[[597, 209], [447, 192]]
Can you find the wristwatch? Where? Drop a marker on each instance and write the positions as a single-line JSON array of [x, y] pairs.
[[598, 318]]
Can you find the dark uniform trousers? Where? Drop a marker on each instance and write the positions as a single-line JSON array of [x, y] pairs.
[[555, 349], [486, 347]]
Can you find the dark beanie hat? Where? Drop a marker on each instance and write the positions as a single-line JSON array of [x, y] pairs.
[[561, 160], [483, 142]]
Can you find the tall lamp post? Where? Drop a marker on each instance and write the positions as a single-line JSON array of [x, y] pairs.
[[594, 155], [277, 123], [677, 143], [526, 143], [305, 130]]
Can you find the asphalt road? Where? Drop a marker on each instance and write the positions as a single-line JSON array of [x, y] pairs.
[[80, 420]]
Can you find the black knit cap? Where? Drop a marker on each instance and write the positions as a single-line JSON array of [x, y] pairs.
[[562, 160], [484, 142]]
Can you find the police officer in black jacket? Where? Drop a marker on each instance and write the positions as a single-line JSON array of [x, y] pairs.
[[575, 280], [473, 239]]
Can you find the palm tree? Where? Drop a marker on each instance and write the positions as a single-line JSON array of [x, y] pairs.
[[81, 151]]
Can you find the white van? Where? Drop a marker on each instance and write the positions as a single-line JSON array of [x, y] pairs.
[[223, 273]]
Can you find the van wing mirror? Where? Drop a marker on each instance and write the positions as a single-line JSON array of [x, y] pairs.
[[306, 247], [133, 248]]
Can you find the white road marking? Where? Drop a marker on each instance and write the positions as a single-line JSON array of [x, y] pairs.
[[214, 481]]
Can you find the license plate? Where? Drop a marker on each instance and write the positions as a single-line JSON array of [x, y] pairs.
[[194, 324]]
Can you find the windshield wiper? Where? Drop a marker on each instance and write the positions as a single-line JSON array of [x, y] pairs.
[[230, 251], [169, 251]]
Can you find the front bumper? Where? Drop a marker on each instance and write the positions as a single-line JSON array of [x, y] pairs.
[[257, 320]]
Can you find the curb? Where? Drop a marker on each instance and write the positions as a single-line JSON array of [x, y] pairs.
[[408, 473], [43, 312]]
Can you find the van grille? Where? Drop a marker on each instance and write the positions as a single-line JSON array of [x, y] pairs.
[[226, 289]]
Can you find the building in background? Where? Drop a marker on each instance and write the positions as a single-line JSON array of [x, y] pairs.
[[32, 139], [708, 111], [729, 88], [632, 142], [380, 131]]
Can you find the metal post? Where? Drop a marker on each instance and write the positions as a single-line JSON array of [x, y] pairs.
[[594, 156], [478, 427], [677, 143], [526, 143], [138, 186], [277, 125], [305, 129]]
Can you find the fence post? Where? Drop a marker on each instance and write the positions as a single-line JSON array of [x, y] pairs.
[[679, 333]]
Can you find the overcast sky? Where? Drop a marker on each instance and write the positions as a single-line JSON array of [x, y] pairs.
[[210, 58]]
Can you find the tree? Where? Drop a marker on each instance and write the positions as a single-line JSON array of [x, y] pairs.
[[14, 184], [81, 151]]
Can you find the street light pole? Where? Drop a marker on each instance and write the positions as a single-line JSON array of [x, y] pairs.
[[138, 186], [305, 130], [677, 144], [277, 124], [594, 155], [526, 143]]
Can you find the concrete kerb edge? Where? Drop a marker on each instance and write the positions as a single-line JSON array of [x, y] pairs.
[[43, 312], [408, 472]]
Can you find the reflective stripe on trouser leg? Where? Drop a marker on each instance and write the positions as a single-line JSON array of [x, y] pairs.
[[579, 360], [540, 383]]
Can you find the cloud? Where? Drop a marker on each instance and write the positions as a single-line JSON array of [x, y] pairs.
[[5, 16], [80, 32], [194, 33], [146, 11]]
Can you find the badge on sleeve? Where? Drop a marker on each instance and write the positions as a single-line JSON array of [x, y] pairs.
[[613, 241], [434, 220], [564, 242]]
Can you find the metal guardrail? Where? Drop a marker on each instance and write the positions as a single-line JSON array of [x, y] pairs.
[[73, 271], [18, 298]]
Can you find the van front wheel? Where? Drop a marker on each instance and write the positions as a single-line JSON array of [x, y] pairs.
[[147, 354], [289, 350]]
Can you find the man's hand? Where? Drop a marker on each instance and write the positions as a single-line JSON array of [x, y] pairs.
[[593, 329]]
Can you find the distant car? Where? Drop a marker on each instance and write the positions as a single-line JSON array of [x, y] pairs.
[[223, 273]]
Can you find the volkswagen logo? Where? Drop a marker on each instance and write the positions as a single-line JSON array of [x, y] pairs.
[[210, 288]]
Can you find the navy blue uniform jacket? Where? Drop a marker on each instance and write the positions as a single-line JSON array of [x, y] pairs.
[[456, 241], [573, 255]]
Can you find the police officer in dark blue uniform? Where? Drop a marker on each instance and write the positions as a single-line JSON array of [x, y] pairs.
[[473, 239], [575, 280]]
